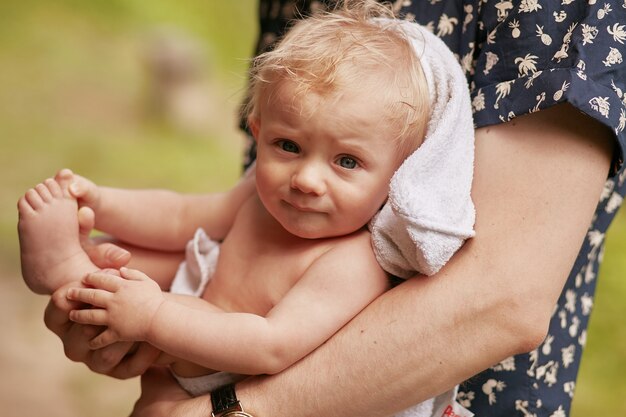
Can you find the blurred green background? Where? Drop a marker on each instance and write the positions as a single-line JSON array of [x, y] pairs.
[[97, 86]]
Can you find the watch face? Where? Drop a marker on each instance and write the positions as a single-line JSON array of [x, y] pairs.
[[237, 414]]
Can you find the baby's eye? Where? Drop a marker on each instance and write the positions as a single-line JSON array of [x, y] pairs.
[[288, 146], [348, 162]]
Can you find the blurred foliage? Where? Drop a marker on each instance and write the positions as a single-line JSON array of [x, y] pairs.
[[73, 93]]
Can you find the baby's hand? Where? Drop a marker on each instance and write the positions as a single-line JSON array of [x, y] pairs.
[[103, 253], [127, 305], [87, 194], [85, 191]]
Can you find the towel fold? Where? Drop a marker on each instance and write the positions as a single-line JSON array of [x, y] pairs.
[[430, 213], [195, 272]]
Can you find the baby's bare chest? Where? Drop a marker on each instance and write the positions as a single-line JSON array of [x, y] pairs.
[[255, 269]]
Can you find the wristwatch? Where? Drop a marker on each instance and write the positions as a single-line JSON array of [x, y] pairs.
[[225, 403]]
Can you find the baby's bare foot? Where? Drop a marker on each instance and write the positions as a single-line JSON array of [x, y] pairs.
[[50, 248]]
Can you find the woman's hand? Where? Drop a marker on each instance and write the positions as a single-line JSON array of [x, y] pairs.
[[120, 360]]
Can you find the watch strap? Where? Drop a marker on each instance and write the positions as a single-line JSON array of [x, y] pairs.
[[224, 399]]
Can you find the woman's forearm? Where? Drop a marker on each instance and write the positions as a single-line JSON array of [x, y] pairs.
[[537, 183]]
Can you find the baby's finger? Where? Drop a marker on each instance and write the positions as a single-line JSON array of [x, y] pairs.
[[133, 274], [86, 221], [104, 339], [103, 280], [80, 187], [92, 296], [94, 316], [108, 255], [64, 175]]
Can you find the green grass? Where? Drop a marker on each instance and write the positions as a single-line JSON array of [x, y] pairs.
[[73, 94]]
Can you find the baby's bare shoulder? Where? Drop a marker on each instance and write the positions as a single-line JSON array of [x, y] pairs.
[[357, 251]]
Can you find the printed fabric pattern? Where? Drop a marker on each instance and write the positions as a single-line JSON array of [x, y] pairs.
[[522, 56]]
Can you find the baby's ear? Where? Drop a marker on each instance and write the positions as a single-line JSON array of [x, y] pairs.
[[254, 124]]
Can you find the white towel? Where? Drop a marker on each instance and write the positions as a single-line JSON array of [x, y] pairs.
[[195, 272], [430, 213]]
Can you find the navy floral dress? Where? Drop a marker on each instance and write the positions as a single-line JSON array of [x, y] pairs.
[[522, 56]]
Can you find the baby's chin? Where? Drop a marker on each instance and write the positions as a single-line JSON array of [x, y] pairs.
[[312, 231]]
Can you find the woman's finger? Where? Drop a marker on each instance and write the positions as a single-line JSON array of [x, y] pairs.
[[104, 339], [93, 316], [137, 362], [92, 296], [106, 360]]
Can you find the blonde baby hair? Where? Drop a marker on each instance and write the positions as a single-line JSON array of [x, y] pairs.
[[349, 47]]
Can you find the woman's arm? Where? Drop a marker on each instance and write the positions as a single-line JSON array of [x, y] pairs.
[[537, 182]]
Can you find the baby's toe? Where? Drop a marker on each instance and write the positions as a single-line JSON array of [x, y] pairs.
[[54, 188], [33, 198], [44, 192], [24, 207]]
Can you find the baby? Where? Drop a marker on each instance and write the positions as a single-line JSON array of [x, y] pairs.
[[334, 109], [291, 250]]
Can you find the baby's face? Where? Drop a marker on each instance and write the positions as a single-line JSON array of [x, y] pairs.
[[323, 165]]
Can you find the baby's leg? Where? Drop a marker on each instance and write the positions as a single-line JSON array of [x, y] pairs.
[[50, 248]]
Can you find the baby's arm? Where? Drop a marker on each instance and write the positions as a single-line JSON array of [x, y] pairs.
[[159, 219], [332, 291]]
